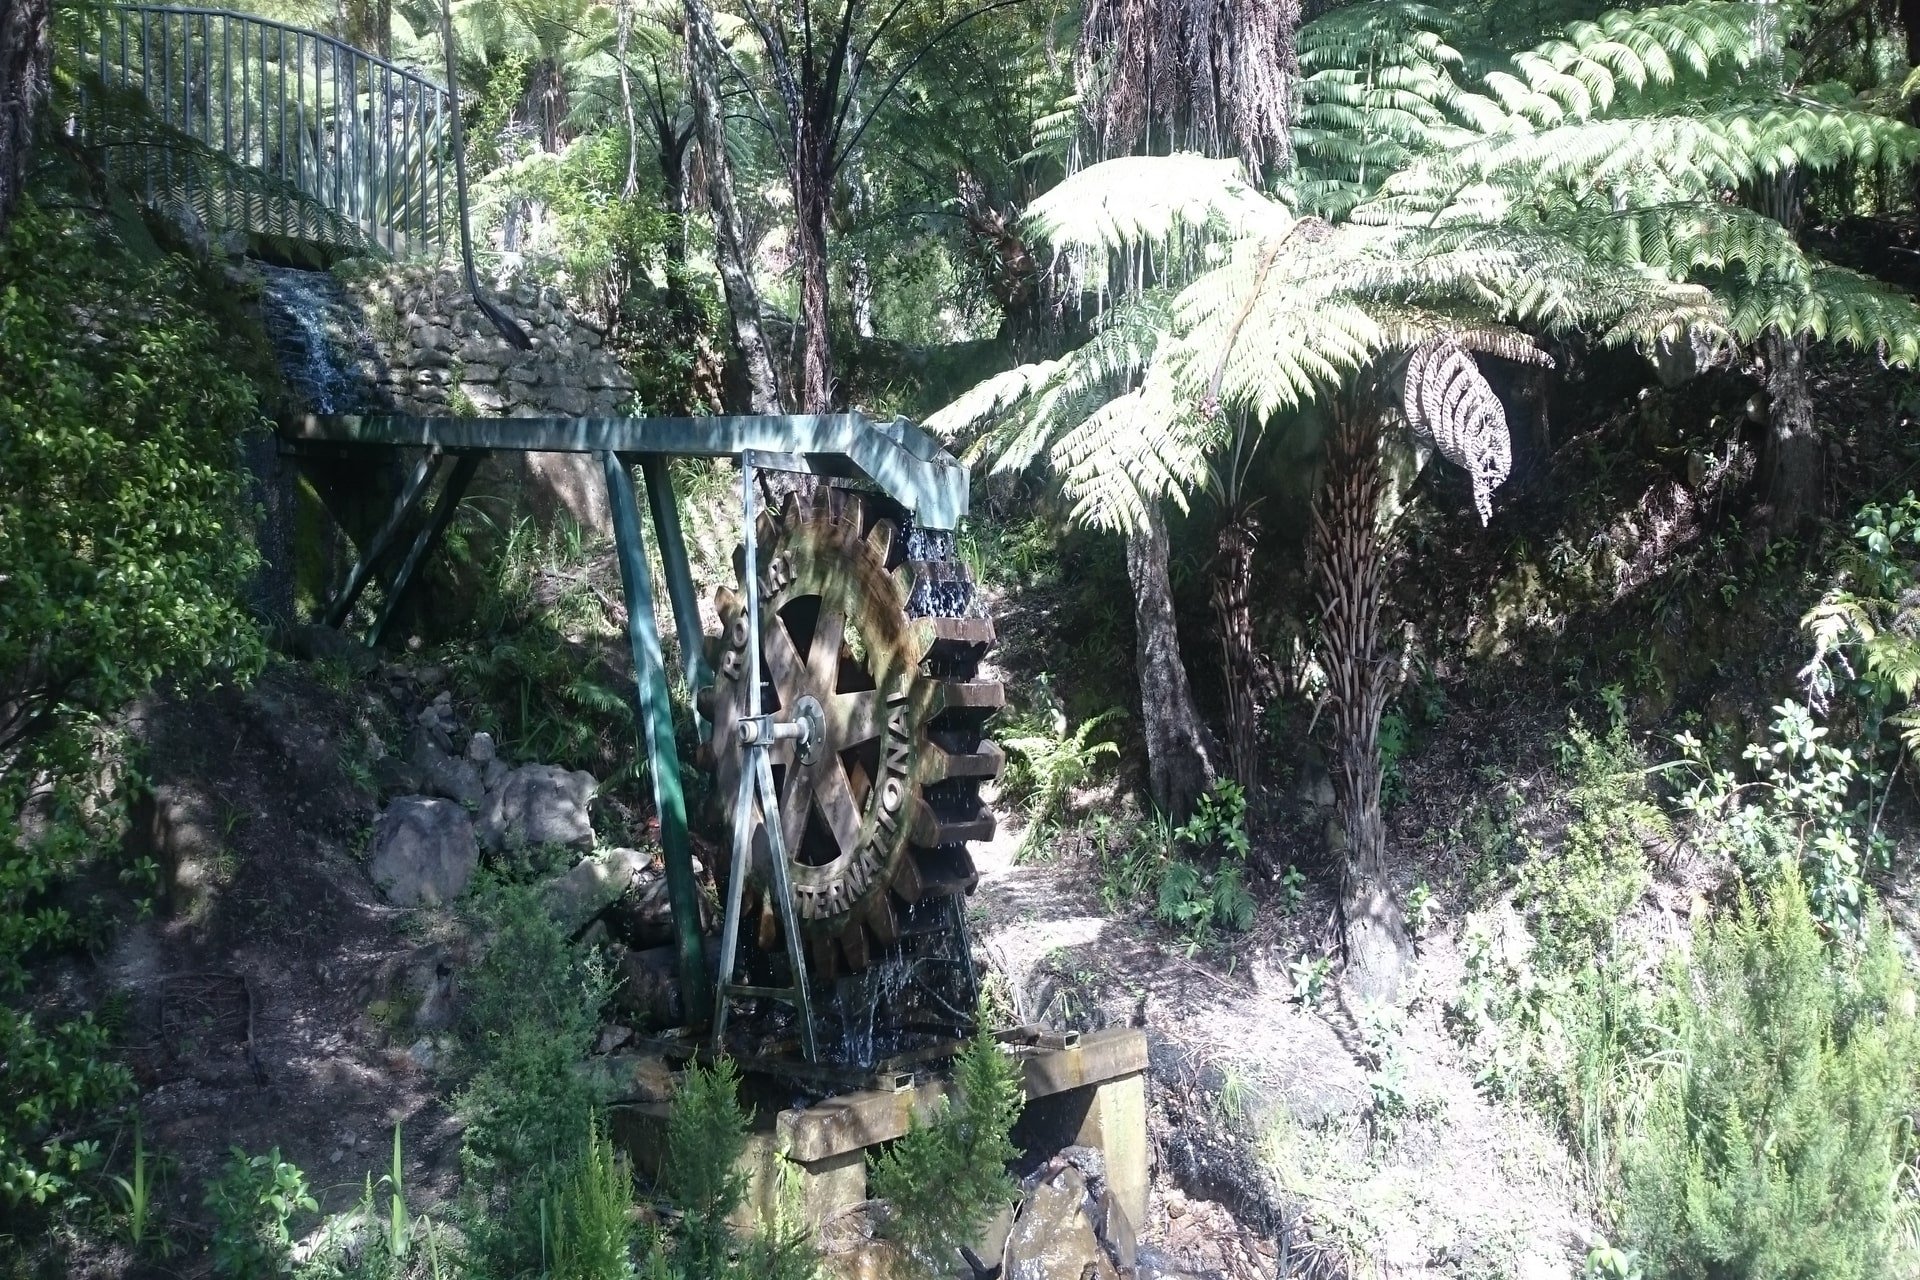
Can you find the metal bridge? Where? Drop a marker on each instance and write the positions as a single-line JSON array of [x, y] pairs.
[[311, 139]]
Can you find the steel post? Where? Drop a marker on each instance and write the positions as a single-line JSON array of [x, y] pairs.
[[679, 575], [656, 733]]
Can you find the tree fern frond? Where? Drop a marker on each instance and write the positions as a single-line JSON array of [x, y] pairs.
[[1150, 200], [1831, 304]]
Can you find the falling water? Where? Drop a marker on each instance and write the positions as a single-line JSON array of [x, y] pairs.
[[325, 356]]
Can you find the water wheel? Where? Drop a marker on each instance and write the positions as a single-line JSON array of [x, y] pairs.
[[870, 631]]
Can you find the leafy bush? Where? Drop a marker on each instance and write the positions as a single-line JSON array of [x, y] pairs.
[[120, 501], [948, 1176], [54, 1076], [1803, 808], [1771, 1141], [252, 1200], [1865, 632], [1053, 761], [121, 420]]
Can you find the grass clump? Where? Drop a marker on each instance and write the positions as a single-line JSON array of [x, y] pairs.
[[947, 1177]]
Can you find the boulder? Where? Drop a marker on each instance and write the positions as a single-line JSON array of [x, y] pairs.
[[423, 851], [538, 804], [393, 776], [1053, 1236], [575, 898], [442, 774]]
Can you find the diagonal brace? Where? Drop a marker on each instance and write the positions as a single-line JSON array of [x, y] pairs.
[[403, 508], [423, 543]]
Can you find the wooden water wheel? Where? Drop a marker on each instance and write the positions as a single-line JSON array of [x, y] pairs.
[[870, 632]]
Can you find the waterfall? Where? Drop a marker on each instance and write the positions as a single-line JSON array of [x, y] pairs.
[[326, 358]]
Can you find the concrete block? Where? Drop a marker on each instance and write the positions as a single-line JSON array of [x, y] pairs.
[[1116, 1122]]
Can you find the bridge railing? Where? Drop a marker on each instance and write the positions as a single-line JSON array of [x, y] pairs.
[[353, 143]]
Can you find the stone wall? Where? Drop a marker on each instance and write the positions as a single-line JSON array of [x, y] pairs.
[[440, 357]]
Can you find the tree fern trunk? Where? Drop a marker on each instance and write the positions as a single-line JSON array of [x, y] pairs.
[[730, 247], [1792, 457], [25, 71], [1349, 554], [812, 196], [1794, 454], [1233, 616], [1178, 765]]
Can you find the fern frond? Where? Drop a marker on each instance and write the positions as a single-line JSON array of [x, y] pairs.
[[1151, 201], [1831, 304]]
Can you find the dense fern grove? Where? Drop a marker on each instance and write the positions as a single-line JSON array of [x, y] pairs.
[[1444, 478]]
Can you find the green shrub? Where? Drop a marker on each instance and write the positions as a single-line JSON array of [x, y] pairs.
[[121, 503], [593, 1235], [121, 506], [531, 1015], [252, 1200], [700, 1170], [1804, 806], [947, 1177], [1771, 1143], [55, 1076], [1574, 898]]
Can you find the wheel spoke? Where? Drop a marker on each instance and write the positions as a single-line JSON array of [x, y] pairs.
[[788, 672], [796, 798], [834, 796], [823, 652], [854, 718]]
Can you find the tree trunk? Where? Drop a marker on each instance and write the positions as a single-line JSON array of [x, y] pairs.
[[1179, 767], [1233, 616], [812, 202], [623, 37], [1792, 454], [26, 56], [368, 24], [730, 249], [1349, 556]]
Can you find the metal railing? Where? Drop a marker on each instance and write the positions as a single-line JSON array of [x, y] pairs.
[[347, 141]]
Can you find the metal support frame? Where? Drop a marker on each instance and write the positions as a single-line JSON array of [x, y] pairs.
[[404, 506], [757, 736], [679, 575], [906, 463], [903, 461], [656, 734], [429, 536]]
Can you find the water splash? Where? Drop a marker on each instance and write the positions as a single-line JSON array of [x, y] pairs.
[[325, 355]]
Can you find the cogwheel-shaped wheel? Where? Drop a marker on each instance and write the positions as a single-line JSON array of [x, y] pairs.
[[880, 652]]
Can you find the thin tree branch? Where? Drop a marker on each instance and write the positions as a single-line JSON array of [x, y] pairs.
[[901, 74]]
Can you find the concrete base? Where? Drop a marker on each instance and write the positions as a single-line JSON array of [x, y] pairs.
[[1081, 1090]]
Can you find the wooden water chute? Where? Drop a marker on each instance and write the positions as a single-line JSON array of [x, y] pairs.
[[848, 774]]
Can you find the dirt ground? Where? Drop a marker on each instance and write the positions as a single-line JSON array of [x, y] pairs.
[[253, 997]]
